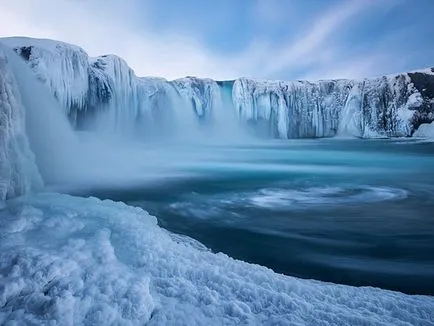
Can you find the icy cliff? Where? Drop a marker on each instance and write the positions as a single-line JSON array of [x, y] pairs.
[[18, 171], [389, 106], [105, 92]]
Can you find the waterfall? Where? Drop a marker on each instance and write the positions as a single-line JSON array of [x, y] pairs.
[[48, 131], [18, 171]]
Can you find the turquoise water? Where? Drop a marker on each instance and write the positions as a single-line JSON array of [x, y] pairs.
[[358, 212]]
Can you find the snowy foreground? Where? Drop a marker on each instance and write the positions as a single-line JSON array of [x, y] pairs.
[[67, 260]]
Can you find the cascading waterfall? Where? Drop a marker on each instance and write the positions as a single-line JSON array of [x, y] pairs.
[[119, 114], [50, 135], [111, 114], [225, 115], [18, 171], [103, 93], [207, 113], [71, 260]]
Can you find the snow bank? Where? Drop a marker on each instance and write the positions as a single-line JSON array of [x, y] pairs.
[[67, 260]]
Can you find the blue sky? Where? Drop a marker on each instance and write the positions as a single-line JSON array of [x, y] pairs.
[[224, 39]]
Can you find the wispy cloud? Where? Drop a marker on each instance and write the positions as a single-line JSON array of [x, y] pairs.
[[316, 48], [106, 27], [310, 44], [271, 11], [311, 50]]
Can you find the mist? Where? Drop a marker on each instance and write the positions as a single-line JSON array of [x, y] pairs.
[[51, 137], [113, 149]]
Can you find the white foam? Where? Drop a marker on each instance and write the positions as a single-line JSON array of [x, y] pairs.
[[320, 196], [214, 206]]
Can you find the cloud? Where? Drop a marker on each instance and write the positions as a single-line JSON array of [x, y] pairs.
[[106, 27], [314, 44], [123, 28], [271, 11]]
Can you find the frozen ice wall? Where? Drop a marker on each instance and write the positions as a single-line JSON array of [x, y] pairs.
[[37, 143], [111, 99], [291, 109], [18, 171], [390, 106], [62, 67], [49, 133], [104, 93]]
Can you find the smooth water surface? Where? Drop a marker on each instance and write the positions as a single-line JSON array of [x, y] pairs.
[[358, 212]]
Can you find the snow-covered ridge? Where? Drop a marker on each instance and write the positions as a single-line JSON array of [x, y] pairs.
[[106, 89]]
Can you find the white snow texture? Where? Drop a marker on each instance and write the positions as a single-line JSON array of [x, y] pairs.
[[73, 261]]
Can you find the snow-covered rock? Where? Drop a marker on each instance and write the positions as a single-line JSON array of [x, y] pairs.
[[425, 130], [76, 261]]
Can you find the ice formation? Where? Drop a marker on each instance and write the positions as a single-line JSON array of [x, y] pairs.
[[106, 89], [105, 93], [68, 260], [18, 171], [388, 106], [426, 130]]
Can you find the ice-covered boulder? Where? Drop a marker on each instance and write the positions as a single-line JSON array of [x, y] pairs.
[[425, 130]]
